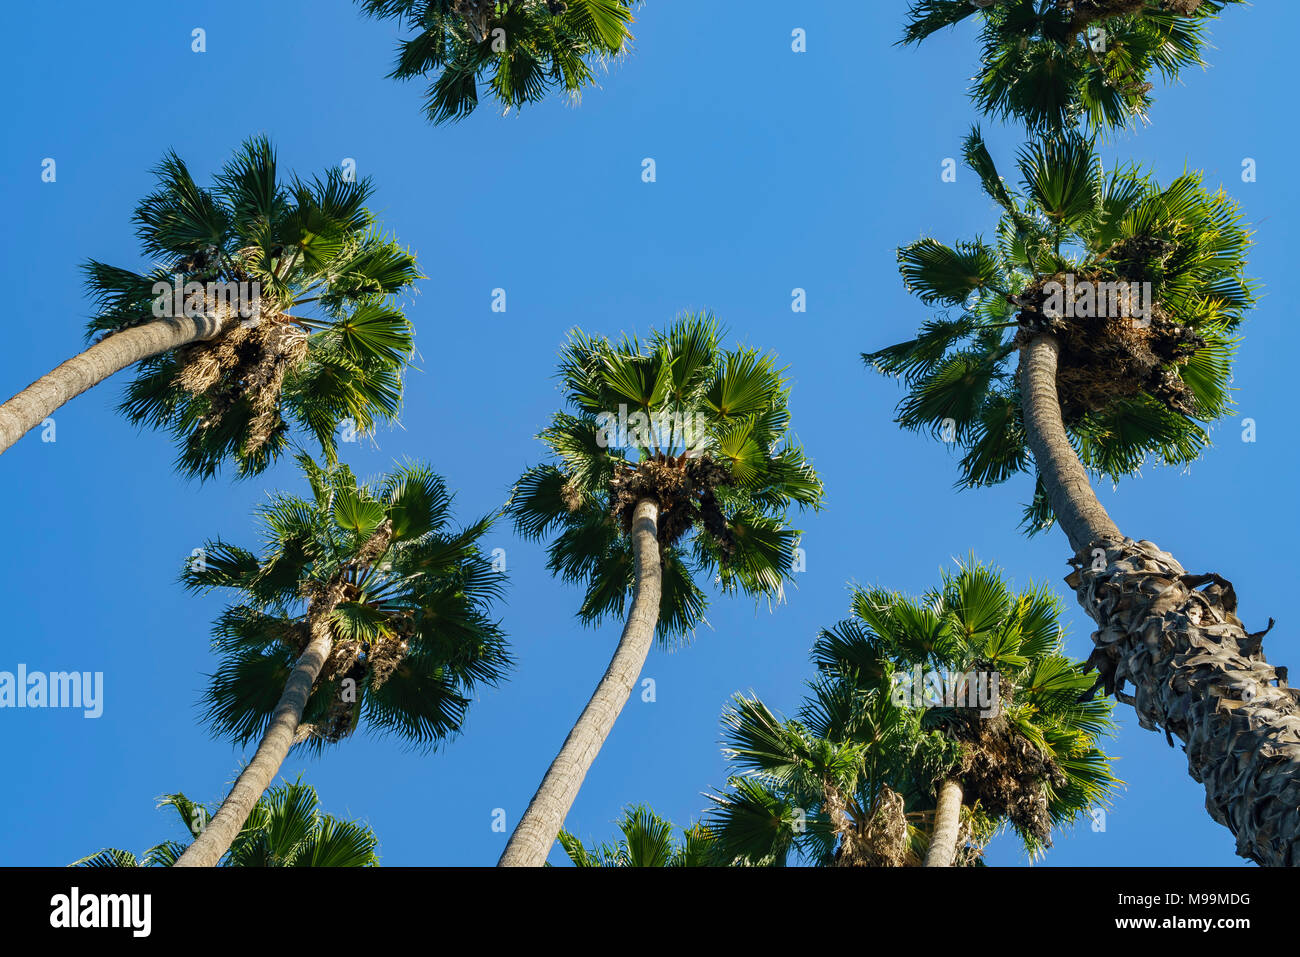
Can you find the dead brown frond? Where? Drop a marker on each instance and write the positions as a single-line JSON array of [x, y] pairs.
[[684, 488], [1006, 774], [247, 362], [1116, 355]]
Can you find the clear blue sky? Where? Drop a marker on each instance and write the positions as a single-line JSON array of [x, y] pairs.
[[775, 170]]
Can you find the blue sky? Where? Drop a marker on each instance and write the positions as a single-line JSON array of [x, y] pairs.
[[776, 170]]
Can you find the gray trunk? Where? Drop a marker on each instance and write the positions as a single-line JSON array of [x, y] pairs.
[[531, 841], [1197, 673], [30, 407], [947, 826], [219, 833], [1082, 517]]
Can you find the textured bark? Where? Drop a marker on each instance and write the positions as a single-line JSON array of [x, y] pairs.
[[947, 825], [1197, 673], [537, 829], [30, 407], [1199, 676]]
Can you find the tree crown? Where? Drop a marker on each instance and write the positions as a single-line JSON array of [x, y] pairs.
[[285, 829], [646, 840], [324, 341], [520, 51], [406, 597], [1143, 285], [1054, 63], [701, 430], [853, 777]]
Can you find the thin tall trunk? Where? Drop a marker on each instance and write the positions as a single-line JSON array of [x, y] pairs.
[[219, 833], [30, 407], [1081, 516], [1197, 673], [947, 826], [537, 829]]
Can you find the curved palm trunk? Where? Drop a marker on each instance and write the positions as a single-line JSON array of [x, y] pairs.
[[1077, 509], [30, 407], [1176, 637], [221, 831], [532, 839], [947, 826]]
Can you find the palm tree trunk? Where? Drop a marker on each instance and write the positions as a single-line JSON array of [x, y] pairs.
[[30, 407], [1081, 516], [1197, 673], [537, 829], [215, 839], [947, 825]]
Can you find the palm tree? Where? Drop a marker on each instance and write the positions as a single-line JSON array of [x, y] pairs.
[[647, 841], [1052, 63], [286, 829], [366, 603], [882, 768], [285, 310], [1102, 390], [830, 798], [522, 49], [675, 460]]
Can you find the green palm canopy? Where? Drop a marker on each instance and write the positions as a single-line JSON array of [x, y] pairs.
[[1132, 387], [852, 778], [702, 430], [645, 840], [1053, 63], [286, 829], [406, 597], [519, 51], [328, 343]]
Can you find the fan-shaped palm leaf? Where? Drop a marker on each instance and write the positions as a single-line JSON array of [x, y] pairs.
[[673, 460], [854, 778], [285, 829], [1075, 222], [1052, 63], [514, 51], [365, 607], [271, 304]]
